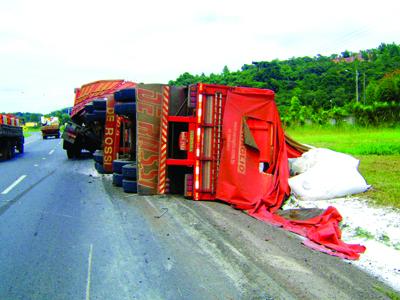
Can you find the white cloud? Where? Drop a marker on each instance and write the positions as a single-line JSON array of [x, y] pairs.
[[47, 48]]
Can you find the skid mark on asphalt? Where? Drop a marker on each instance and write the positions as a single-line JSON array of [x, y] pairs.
[[13, 185], [11, 202]]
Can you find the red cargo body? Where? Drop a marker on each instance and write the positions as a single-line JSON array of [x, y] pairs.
[[179, 139], [229, 145]]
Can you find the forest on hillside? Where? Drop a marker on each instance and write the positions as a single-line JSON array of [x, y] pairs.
[[62, 114], [363, 85]]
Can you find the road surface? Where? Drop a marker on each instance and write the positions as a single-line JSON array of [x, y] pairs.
[[67, 233]]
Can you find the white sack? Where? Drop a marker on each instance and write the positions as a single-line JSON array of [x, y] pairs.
[[326, 174]]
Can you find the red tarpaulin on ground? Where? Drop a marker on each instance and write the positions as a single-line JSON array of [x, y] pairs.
[[254, 172]]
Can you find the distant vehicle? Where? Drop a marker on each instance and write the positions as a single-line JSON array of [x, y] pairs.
[[50, 127], [11, 136]]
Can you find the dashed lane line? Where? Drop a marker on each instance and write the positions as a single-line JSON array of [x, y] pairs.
[[51, 152], [89, 273], [13, 185]]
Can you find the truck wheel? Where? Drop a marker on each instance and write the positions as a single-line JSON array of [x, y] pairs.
[[89, 107], [129, 171], [117, 179], [98, 156], [70, 153], [99, 167], [77, 152], [11, 151], [129, 186], [20, 148], [90, 118], [45, 137], [118, 164], [100, 104], [99, 115], [4, 153], [126, 95], [127, 109]]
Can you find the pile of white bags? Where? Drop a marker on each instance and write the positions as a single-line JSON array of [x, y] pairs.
[[325, 174]]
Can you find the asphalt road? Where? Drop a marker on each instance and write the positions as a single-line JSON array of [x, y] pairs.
[[67, 233]]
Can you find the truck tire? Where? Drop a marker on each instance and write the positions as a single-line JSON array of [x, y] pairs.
[[70, 153], [118, 164], [100, 115], [126, 109], [45, 137], [77, 152], [98, 156], [129, 186], [99, 167], [4, 153], [89, 108], [117, 179], [126, 95], [20, 147], [129, 171], [89, 118], [11, 151], [100, 104]]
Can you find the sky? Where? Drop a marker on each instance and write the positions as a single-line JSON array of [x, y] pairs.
[[50, 47]]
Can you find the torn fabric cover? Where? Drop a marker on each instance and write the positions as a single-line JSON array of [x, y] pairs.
[[254, 172]]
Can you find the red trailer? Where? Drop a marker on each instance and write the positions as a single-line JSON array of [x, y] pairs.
[[211, 142]]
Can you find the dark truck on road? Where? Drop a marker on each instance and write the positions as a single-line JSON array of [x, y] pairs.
[[11, 136], [93, 119]]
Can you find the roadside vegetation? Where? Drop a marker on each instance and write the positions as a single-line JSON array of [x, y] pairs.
[[29, 130], [363, 86], [27, 117], [378, 150]]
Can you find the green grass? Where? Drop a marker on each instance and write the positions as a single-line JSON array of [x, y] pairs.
[[351, 140], [29, 130], [393, 295], [378, 150]]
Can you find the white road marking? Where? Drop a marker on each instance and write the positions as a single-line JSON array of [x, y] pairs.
[[7, 190], [44, 158], [151, 204], [36, 165], [51, 152], [89, 272]]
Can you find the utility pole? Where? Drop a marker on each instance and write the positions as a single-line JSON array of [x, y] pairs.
[[364, 88], [357, 85]]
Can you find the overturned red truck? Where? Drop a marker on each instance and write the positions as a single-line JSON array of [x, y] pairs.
[[94, 124], [210, 142]]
